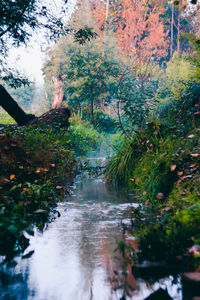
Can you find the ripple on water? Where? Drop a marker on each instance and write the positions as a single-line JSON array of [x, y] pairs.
[[73, 258]]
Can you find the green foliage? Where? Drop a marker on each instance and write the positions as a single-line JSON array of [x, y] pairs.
[[163, 166], [84, 34], [185, 194], [158, 170], [19, 20], [181, 113], [152, 171], [88, 79], [179, 72], [34, 165], [119, 167], [102, 122], [83, 137], [23, 95], [136, 96], [170, 239], [152, 161], [5, 118], [194, 59], [115, 141], [33, 168]]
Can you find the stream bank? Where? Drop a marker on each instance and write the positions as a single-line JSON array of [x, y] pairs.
[[37, 165]]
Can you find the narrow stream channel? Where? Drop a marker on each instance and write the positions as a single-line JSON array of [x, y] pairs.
[[74, 258]]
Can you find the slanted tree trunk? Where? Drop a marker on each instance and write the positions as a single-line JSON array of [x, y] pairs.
[[13, 109], [178, 33], [58, 93]]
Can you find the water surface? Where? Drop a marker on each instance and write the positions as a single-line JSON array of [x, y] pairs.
[[74, 258]]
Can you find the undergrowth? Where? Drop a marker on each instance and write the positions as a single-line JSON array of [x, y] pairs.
[[161, 162], [36, 166]]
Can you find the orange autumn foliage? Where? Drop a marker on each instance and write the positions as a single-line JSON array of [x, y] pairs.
[[140, 31], [98, 11], [141, 34]]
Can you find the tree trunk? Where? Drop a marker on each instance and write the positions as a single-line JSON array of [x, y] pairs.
[[120, 121], [105, 28], [172, 31], [178, 29], [58, 93], [92, 110], [107, 9], [13, 109]]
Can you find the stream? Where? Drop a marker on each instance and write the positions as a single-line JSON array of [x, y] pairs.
[[74, 257]]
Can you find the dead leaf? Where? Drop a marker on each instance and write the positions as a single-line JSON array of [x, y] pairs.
[[184, 177], [173, 167], [191, 136], [183, 7], [29, 191], [4, 180], [193, 165], [195, 249], [59, 187], [41, 211], [160, 196], [12, 176], [194, 154], [167, 208], [180, 173]]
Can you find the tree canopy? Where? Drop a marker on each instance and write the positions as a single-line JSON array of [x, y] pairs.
[[19, 20]]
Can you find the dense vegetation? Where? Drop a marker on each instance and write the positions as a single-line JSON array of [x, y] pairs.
[[137, 77], [37, 167], [161, 162]]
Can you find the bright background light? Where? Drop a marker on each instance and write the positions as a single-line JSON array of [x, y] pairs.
[[29, 60]]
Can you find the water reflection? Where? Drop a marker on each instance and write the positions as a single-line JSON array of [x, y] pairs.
[[74, 258]]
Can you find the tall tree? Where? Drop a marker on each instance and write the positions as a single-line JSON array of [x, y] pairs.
[[141, 33], [87, 77], [172, 30], [19, 19]]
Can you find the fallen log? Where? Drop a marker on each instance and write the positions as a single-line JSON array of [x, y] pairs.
[[54, 118]]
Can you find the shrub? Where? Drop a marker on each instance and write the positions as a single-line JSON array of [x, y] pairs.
[[83, 137], [102, 121], [34, 166]]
